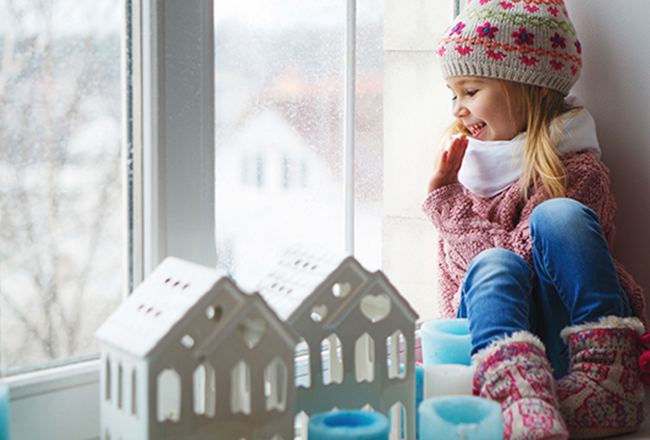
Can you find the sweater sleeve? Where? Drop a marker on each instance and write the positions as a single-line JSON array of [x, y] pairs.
[[469, 224]]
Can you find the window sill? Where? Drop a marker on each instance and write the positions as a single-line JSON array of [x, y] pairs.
[[57, 403], [63, 403]]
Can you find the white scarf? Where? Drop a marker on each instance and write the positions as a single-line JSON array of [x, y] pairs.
[[493, 166]]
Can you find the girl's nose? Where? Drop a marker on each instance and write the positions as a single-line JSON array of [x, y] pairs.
[[459, 110]]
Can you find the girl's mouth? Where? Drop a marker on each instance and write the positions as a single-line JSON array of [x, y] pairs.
[[477, 129]]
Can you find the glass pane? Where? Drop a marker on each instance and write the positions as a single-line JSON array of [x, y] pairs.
[[60, 192], [369, 129], [279, 133]]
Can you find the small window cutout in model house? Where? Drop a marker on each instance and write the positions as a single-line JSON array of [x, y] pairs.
[[204, 390], [332, 359], [252, 331], [364, 362], [318, 313], [397, 422], [134, 393], [302, 364], [396, 355], [120, 385], [341, 290], [240, 391], [107, 390], [375, 307], [168, 389], [301, 426], [214, 313], [275, 385]]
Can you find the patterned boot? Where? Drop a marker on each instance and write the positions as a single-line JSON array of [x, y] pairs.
[[602, 394], [515, 372]]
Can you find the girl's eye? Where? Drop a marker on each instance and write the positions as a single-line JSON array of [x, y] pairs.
[[471, 92]]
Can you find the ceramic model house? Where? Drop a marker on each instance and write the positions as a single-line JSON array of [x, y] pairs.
[[357, 337], [190, 356]]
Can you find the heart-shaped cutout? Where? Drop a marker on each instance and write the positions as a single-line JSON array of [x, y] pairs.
[[375, 307], [318, 313], [252, 331]]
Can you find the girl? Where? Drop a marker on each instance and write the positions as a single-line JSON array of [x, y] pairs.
[[524, 213]]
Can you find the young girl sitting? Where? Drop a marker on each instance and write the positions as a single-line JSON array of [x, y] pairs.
[[524, 213]]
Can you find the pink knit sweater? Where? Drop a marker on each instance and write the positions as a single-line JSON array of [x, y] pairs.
[[468, 224]]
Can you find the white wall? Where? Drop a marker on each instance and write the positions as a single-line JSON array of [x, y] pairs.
[[416, 111], [615, 86]]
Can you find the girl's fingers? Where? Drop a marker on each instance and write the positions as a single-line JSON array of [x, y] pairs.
[[461, 153], [457, 152]]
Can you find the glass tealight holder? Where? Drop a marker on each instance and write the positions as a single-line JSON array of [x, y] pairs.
[[446, 341], [348, 425], [460, 417]]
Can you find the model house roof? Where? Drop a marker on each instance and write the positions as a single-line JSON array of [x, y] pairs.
[[157, 305], [300, 272], [290, 287]]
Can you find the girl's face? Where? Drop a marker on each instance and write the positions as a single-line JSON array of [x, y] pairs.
[[487, 107]]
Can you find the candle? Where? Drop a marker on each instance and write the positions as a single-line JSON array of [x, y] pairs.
[[445, 341], [419, 395], [4, 412], [348, 425], [448, 380], [460, 417]]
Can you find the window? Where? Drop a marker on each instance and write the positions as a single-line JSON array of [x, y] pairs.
[[171, 118], [61, 218], [280, 131]]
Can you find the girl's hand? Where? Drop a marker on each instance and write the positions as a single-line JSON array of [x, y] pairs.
[[450, 161]]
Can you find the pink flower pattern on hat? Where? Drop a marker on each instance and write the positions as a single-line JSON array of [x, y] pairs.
[[558, 41], [523, 37], [529, 61], [463, 50], [458, 28], [487, 30]]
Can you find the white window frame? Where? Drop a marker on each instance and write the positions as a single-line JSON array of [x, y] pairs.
[[172, 134]]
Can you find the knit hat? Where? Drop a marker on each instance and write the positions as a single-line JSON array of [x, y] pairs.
[[527, 41]]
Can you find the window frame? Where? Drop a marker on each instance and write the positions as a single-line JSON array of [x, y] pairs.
[[168, 136]]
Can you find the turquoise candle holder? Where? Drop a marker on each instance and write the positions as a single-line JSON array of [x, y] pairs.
[[419, 396], [446, 341], [348, 425], [460, 417], [4, 413]]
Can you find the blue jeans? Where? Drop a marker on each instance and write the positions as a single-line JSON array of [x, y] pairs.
[[573, 281]]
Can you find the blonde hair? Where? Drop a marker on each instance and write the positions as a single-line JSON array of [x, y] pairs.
[[542, 109]]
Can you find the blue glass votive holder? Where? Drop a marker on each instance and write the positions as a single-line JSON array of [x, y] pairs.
[[446, 341], [348, 425], [4, 413], [460, 417]]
